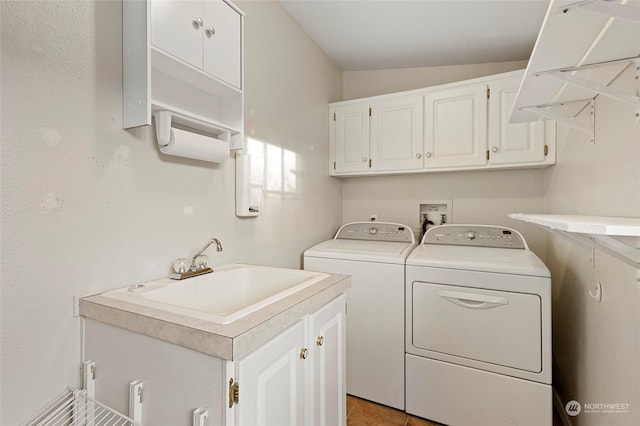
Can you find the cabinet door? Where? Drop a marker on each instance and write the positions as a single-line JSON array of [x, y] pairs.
[[456, 127], [273, 382], [176, 30], [328, 375], [396, 134], [520, 143], [222, 37], [351, 144]]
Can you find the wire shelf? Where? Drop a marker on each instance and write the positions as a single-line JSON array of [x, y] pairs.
[[75, 408]]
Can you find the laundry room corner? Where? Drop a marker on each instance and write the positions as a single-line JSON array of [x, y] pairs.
[[599, 179]]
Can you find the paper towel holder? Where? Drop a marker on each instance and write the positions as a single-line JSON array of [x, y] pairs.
[[164, 118]]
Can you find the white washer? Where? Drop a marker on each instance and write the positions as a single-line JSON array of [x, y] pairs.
[[478, 336], [374, 254]]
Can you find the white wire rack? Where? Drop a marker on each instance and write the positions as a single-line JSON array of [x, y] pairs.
[[75, 408]]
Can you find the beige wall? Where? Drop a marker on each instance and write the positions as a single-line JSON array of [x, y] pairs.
[[360, 84], [478, 197], [597, 345], [87, 205]]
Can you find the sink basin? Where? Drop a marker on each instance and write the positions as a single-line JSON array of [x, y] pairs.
[[229, 293]]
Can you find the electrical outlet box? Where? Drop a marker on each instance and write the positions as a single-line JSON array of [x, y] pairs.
[[437, 212]]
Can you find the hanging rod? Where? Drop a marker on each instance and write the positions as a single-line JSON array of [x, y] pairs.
[[605, 7]]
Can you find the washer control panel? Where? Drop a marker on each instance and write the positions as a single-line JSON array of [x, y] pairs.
[[475, 236], [376, 231]]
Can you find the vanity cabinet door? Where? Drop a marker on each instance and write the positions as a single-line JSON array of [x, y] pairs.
[[456, 127], [328, 375], [273, 381], [176, 28]]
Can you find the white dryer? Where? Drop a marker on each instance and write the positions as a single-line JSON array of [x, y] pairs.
[[478, 329], [374, 254]]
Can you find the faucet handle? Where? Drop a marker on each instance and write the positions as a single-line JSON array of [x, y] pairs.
[[201, 262], [181, 265]]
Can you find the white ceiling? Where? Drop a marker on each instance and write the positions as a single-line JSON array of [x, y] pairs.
[[379, 34]]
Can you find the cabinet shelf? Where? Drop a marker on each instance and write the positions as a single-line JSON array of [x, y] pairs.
[[619, 236], [577, 56], [181, 70]]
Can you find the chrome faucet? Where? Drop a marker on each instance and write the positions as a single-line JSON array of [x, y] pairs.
[[193, 266], [197, 265]]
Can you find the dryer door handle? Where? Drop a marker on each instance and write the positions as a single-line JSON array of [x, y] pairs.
[[473, 300]]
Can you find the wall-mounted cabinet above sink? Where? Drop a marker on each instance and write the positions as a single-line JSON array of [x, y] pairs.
[[185, 58]]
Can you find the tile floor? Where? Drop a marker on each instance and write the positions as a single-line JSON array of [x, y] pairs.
[[361, 412]]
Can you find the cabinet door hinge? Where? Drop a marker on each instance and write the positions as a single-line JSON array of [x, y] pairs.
[[488, 93], [334, 116], [234, 392], [546, 150], [334, 165], [369, 112], [369, 162], [487, 154]]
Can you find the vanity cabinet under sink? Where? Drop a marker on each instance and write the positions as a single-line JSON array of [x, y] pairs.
[[296, 377]]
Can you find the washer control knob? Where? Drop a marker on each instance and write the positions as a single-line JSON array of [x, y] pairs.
[[470, 235], [373, 230]]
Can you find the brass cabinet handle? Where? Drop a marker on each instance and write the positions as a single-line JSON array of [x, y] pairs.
[[320, 340], [303, 353]]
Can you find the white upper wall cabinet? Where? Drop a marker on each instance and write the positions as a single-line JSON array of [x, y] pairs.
[[512, 143], [350, 131], [457, 126], [396, 134], [184, 57], [205, 34]]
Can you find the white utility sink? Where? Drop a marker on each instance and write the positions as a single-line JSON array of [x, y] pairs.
[[229, 293]]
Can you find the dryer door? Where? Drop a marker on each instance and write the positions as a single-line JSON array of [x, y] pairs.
[[497, 327]]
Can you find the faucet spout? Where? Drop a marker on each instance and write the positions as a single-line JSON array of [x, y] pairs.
[[211, 241]]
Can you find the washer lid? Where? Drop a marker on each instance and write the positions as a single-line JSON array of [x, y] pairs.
[[368, 251], [481, 259]]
